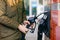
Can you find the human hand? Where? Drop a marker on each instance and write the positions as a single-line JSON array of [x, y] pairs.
[[23, 28], [26, 22]]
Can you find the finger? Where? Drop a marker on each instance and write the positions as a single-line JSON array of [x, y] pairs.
[[26, 31], [26, 22]]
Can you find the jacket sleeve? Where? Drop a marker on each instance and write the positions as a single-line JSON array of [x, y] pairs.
[[24, 11], [5, 20], [21, 10]]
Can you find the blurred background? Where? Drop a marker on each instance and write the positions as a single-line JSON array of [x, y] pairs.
[[40, 8]]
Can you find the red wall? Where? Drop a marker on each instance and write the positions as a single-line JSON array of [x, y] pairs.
[[54, 19], [55, 23]]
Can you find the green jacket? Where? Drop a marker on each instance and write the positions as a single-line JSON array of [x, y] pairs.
[[10, 18]]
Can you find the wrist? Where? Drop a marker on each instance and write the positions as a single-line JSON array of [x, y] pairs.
[[19, 26]]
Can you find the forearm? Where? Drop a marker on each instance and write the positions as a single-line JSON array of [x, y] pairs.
[[9, 22]]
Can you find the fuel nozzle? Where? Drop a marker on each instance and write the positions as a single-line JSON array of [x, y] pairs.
[[32, 20]]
